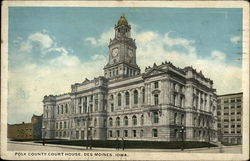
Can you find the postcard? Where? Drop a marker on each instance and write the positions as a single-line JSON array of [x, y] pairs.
[[125, 80]]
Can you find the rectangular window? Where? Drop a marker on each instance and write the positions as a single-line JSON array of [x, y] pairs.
[[225, 126], [238, 99], [226, 107], [226, 101], [238, 125], [77, 134], [232, 100], [232, 107], [232, 126], [232, 113], [154, 133], [239, 106], [110, 134], [125, 133], [238, 113], [238, 132], [225, 113], [134, 133], [225, 132], [156, 84], [238, 119], [118, 133], [232, 119], [112, 107]]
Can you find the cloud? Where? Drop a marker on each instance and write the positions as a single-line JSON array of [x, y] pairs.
[[235, 39]]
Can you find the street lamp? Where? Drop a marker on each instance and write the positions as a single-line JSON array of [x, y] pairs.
[[43, 135], [182, 136]]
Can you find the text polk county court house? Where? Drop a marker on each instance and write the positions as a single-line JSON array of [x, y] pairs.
[[163, 103]]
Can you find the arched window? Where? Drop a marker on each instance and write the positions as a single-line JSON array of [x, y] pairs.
[[176, 133], [127, 98], [135, 97], [126, 120], [58, 110], [142, 119], [111, 97], [134, 120], [119, 103], [110, 122], [117, 121], [156, 98], [143, 95]]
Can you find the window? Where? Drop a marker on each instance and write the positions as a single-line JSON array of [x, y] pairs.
[[182, 119], [125, 133], [156, 84], [175, 99], [232, 113], [58, 110], [119, 99], [156, 99], [118, 121], [154, 133], [175, 133], [80, 109], [195, 121], [232, 119], [60, 125], [110, 133], [225, 126], [155, 117], [95, 122], [226, 101], [142, 119], [77, 134], [112, 107], [218, 113], [238, 125], [175, 118], [126, 120], [238, 99], [135, 97], [110, 122], [226, 108], [238, 132], [182, 101], [134, 133], [62, 109], [104, 122], [143, 95], [225, 113], [238, 113], [238, 119], [66, 108], [118, 133], [134, 120], [65, 125], [127, 98], [232, 126], [232, 107], [219, 125], [57, 125]]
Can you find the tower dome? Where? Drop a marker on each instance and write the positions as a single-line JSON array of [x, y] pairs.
[[122, 21]]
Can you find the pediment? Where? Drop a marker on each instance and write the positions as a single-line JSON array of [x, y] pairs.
[[154, 72]]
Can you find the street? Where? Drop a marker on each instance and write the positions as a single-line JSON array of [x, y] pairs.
[[30, 146]]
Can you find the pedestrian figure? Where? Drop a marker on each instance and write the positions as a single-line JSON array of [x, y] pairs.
[[123, 144]]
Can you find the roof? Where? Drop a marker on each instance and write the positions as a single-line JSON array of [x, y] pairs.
[[122, 21], [231, 94]]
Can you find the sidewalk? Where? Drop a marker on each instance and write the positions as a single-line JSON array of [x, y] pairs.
[[83, 148]]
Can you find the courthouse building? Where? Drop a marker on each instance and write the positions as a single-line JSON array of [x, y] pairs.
[[230, 118], [151, 105]]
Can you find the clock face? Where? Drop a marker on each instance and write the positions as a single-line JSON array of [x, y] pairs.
[[115, 52], [130, 53]]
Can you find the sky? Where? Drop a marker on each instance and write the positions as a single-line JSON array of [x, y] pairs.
[[51, 48]]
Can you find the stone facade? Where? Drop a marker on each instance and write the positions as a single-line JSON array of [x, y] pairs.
[[230, 118], [153, 105]]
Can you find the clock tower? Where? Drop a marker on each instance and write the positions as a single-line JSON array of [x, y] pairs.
[[122, 53]]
